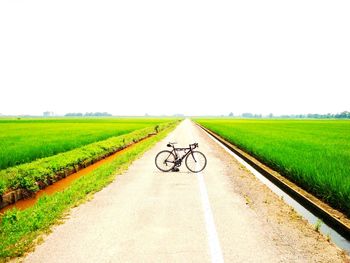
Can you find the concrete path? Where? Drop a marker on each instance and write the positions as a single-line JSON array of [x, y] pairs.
[[222, 214]]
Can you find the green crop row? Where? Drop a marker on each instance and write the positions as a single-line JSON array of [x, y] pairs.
[[26, 176], [25, 140], [312, 153]]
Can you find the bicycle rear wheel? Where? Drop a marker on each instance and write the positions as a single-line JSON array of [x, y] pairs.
[[165, 161], [196, 162]]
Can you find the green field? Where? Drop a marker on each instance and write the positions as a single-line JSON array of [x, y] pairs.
[[61, 135], [315, 154], [25, 140]]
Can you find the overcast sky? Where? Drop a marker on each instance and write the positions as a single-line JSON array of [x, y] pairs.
[[164, 57]]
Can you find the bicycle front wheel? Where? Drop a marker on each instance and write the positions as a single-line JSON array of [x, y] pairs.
[[165, 161], [196, 162]]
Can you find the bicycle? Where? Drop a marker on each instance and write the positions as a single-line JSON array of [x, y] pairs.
[[167, 160]]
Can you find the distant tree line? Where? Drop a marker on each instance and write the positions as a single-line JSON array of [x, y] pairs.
[[87, 114], [342, 115]]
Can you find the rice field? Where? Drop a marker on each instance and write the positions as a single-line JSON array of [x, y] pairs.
[[25, 140], [315, 154]]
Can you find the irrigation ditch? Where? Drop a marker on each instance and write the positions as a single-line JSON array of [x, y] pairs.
[[335, 224], [23, 198]]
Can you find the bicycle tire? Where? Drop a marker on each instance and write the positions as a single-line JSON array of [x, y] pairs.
[[196, 162], [163, 162]]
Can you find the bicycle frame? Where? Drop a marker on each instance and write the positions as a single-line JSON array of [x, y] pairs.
[[179, 159], [167, 160]]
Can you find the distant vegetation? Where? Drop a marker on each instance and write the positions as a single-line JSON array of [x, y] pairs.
[[88, 114], [313, 153], [342, 115]]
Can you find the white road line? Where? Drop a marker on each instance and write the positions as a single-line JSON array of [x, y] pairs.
[[213, 240], [214, 244]]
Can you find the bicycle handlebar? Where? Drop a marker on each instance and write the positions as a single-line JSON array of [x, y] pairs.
[[171, 144], [195, 145]]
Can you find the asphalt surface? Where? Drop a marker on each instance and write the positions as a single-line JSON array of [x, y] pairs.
[[221, 214]]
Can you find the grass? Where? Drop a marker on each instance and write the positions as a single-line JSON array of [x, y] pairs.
[[315, 154], [25, 140], [46, 170], [20, 229], [318, 225]]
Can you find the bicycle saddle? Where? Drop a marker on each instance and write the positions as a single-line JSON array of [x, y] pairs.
[[171, 144]]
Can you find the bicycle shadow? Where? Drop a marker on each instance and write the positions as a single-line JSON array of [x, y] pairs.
[[173, 173]]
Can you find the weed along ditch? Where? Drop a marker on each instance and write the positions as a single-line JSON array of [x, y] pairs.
[[63, 183], [24, 180], [31, 180], [23, 198]]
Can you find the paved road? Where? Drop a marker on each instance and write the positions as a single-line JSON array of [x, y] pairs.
[[222, 214]]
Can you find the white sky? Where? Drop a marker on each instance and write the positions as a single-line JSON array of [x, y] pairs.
[[164, 57]]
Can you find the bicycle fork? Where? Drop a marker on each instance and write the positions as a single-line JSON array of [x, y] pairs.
[[193, 157]]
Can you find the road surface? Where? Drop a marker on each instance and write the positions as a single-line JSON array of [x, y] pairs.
[[223, 214]]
